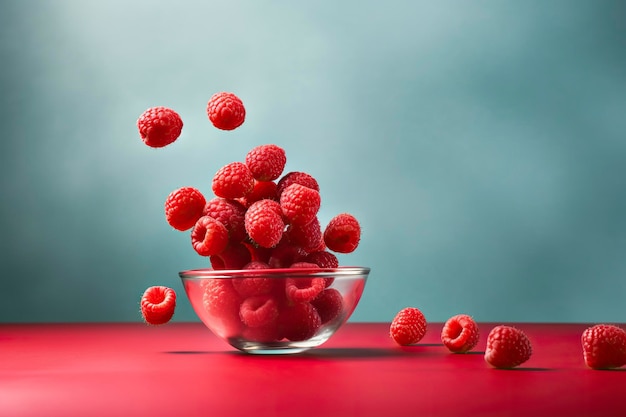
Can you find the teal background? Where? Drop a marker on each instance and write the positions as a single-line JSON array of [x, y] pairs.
[[481, 145]]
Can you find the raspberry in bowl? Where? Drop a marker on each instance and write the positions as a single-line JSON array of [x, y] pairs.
[[275, 310]]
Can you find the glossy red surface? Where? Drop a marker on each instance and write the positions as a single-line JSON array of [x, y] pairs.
[[181, 369]]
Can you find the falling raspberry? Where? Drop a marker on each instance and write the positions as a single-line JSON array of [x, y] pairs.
[[266, 162], [159, 126], [209, 236], [226, 111], [158, 304], [233, 180], [183, 208], [343, 233]]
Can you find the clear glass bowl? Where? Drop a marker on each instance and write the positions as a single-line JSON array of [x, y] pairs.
[[273, 311]]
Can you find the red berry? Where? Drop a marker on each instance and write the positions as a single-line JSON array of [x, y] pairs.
[[264, 223], [235, 256], [252, 286], [299, 321], [460, 333], [285, 254], [329, 304], [507, 347], [226, 111], [323, 259], [262, 190], [266, 162], [233, 180], [408, 326], [308, 236], [158, 304], [209, 236], [303, 289], [604, 346], [300, 204], [183, 208], [222, 303], [159, 126], [258, 310], [297, 177], [343, 233], [231, 214]]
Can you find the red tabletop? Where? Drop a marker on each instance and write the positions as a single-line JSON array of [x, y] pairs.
[[181, 369]]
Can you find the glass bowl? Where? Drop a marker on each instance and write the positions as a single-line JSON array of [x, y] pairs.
[[273, 311]]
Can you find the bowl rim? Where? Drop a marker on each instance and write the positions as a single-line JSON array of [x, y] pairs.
[[341, 271]]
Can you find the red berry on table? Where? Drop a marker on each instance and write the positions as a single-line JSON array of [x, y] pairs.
[[343, 233], [159, 126], [300, 204], [226, 111], [507, 347], [264, 223], [233, 180], [266, 162], [158, 304], [183, 208], [209, 236], [460, 333], [408, 326], [604, 346]]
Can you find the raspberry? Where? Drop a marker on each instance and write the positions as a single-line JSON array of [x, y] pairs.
[[507, 347], [248, 287], [158, 304], [209, 236], [264, 334], [226, 111], [222, 303], [307, 236], [231, 214], [259, 310], [300, 204], [323, 259], [235, 256], [159, 126], [258, 253], [297, 177], [408, 326], [604, 346], [343, 233], [233, 180], [329, 304], [264, 223], [303, 289], [262, 190], [183, 208], [299, 321], [460, 333], [266, 162], [285, 254]]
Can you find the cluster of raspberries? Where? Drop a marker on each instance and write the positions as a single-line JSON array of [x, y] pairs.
[[263, 309], [258, 214]]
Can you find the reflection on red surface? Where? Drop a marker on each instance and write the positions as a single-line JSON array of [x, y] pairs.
[[182, 369]]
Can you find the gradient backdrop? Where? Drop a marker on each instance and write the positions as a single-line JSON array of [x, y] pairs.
[[482, 145]]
